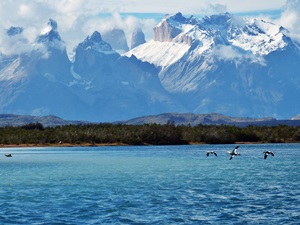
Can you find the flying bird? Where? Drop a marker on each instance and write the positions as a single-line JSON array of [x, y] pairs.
[[8, 155], [211, 152], [268, 153], [233, 153]]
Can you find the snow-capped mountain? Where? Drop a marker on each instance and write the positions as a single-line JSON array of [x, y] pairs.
[[222, 63], [226, 64], [99, 85], [118, 87], [36, 82]]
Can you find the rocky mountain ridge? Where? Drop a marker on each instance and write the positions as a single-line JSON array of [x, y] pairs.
[[224, 64], [99, 85]]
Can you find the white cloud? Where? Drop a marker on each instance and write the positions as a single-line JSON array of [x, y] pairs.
[[216, 8], [13, 45], [24, 10], [78, 18], [290, 18], [236, 55]]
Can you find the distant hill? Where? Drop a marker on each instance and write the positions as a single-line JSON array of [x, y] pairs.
[[175, 118], [208, 119], [47, 121]]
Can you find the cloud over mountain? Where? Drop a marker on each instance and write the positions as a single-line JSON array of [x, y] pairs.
[[79, 18], [217, 63], [226, 64], [290, 18]]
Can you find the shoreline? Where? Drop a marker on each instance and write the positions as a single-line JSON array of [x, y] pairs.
[[59, 145], [101, 144]]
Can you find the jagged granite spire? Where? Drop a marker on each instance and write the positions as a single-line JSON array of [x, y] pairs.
[[117, 39], [96, 36], [96, 43], [137, 38], [50, 33]]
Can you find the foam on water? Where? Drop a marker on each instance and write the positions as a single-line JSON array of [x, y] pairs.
[[150, 185]]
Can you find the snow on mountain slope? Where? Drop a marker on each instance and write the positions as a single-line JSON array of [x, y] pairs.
[[99, 85], [259, 37], [119, 87], [161, 54], [174, 35], [50, 37], [8, 72], [36, 82], [231, 65], [222, 63]]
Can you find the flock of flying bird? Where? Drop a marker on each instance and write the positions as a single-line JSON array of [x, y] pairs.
[[234, 153]]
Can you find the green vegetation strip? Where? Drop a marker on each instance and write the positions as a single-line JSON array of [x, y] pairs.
[[147, 134]]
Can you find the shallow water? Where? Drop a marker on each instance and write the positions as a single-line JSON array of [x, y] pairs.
[[150, 185]]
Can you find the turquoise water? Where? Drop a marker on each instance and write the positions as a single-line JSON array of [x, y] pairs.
[[150, 185]]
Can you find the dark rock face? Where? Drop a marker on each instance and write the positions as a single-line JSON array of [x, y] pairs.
[[137, 38], [167, 29], [117, 39]]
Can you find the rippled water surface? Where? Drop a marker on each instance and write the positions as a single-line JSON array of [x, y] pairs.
[[150, 185]]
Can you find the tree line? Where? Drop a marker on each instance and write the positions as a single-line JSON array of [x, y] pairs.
[[146, 134]]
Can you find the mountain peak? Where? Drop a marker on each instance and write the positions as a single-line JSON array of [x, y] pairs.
[[220, 19], [169, 27], [52, 23], [117, 40], [221, 63], [137, 38], [95, 43], [50, 33], [178, 17], [248, 57], [222, 29], [51, 27], [96, 36]]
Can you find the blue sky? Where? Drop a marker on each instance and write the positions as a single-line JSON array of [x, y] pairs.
[[78, 18]]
